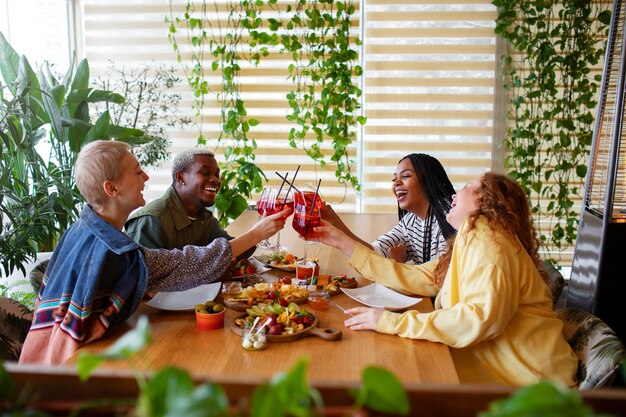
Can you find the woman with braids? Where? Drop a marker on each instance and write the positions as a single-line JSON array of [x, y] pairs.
[[424, 195], [492, 308]]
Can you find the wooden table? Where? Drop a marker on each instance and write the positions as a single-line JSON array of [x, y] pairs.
[[177, 342]]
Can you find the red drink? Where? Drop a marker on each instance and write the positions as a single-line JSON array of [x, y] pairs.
[[306, 269], [261, 207], [267, 207], [308, 196], [304, 225]]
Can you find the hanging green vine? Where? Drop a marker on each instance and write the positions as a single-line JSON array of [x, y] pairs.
[[220, 42], [324, 100], [552, 101]]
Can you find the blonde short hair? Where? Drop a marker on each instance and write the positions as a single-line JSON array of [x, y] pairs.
[[97, 162]]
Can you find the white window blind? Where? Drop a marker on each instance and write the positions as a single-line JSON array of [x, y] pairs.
[[428, 87], [135, 32]]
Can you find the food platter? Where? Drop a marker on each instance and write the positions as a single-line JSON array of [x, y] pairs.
[[340, 281], [185, 300], [285, 267], [282, 260], [312, 330], [266, 292], [239, 304], [378, 296], [259, 266]]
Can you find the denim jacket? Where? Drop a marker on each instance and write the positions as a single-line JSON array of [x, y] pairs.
[[96, 279]]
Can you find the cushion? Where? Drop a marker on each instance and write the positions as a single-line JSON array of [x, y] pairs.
[[554, 280], [15, 320], [36, 275], [598, 349]]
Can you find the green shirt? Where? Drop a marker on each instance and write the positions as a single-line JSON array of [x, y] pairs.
[[163, 223]]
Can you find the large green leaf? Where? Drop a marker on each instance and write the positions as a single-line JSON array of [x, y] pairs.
[[27, 81], [384, 392], [9, 63], [119, 131], [96, 96], [52, 109], [544, 399], [172, 393], [80, 82], [286, 394], [126, 346], [100, 130]]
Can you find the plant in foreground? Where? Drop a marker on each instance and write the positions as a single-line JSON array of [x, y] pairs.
[[171, 391]]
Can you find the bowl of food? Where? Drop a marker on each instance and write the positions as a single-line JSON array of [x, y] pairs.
[[210, 316], [319, 300]]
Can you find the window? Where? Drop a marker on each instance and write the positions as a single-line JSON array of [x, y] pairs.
[[19, 20], [428, 87]]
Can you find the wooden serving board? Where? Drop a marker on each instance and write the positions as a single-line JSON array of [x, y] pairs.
[[312, 330], [242, 305], [352, 284]]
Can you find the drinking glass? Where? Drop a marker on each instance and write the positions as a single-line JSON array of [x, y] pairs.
[[274, 200], [306, 216]]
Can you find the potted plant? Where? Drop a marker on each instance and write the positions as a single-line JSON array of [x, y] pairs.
[[45, 120]]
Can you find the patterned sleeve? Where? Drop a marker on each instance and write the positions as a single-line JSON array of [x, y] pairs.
[[182, 269], [388, 240]]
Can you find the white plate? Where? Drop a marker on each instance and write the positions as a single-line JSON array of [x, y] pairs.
[[379, 296], [185, 300]]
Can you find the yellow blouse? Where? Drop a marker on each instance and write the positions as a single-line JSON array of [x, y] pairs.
[[493, 310]]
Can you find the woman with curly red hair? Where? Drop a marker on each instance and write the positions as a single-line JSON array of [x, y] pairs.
[[492, 307]]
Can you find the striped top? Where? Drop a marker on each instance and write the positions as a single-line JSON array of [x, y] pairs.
[[411, 231]]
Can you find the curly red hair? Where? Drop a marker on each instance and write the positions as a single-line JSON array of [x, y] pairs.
[[505, 206]]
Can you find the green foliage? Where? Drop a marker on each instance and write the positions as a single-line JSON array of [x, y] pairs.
[[44, 122], [324, 100], [150, 105], [26, 298], [221, 43], [552, 100], [381, 391], [172, 392], [287, 394], [544, 399]]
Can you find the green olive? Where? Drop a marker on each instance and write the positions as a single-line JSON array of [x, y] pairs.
[[218, 308], [199, 307], [209, 304]]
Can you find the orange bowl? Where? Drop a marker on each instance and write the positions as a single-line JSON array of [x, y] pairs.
[[210, 321]]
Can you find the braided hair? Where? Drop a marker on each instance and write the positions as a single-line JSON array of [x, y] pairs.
[[437, 188]]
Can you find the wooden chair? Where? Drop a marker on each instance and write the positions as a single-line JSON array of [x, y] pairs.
[[15, 321], [600, 352]]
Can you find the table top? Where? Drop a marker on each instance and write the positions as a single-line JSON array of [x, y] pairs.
[[177, 342]]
